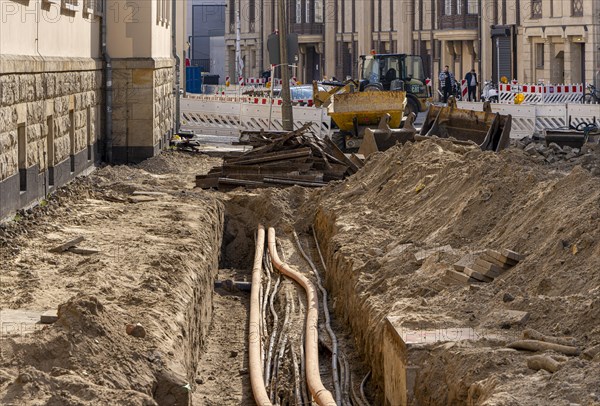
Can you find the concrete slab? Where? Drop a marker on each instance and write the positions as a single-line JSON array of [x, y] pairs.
[[474, 274], [459, 277], [406, 336], [49, 316], [505, 318], [466, 261], [16, 323], [422, 255]]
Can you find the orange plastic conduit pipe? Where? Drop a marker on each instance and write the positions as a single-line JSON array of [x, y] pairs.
[[311, 343], [254, 337]]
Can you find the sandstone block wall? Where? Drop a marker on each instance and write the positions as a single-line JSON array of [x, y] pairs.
[[164, 103], [143, 107], [49, 125]]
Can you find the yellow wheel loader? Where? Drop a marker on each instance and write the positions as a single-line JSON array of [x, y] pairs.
[[389, 85], [368, 112]]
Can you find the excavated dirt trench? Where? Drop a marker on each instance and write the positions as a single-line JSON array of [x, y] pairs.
[[151, 259], [222, 376], [454, 202], [160, 257]]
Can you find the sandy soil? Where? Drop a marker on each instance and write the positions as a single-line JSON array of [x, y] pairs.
[[428, 195], [156, 254], [159, 254]]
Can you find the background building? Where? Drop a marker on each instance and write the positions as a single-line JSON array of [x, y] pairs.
[[206, 36], [56, 120], [257, 21], [556, 41]]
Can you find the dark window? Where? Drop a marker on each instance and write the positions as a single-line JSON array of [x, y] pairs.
[[379, 16], [22, 157], [231, 16], [353, 28], [536, 8], [252, 14], [539, 56], [72, 139], [577, 8]]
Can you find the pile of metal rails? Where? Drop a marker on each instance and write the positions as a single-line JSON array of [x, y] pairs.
[[281, 158]]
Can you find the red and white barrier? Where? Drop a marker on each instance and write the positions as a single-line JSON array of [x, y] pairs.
[[277, 101], [255, 81], [464, 89], [541, 93], [228, 115]]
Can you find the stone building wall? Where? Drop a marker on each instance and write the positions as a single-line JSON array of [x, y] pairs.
[[49, 125], [164, 104], [142, 107]]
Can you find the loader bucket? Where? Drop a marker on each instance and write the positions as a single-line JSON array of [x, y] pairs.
[[570, 138], [367, 108], [383, 137], [491, 131]]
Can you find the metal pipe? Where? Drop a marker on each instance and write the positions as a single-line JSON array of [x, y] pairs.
[[297, 392], [108, 91], [274, 331], [334, 344], [362, 387], [321, 395], [177, 123], [239, 285], [287, 112], [255, 366]]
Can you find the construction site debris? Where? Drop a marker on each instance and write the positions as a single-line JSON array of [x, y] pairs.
[[83, 251], [69, 244], [281, 159], [141, 199], [490, 131], [506, 319], [535, 345], [538, 362], [136, 330], [532, 334], [185, 140], [592, 352], [422, 255], [487, 265], [49, 316]]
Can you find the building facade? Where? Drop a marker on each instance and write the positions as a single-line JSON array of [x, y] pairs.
[[206, 36], [556, 41], [57, 119]]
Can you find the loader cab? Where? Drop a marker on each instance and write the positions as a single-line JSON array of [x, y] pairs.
[[392, 72]]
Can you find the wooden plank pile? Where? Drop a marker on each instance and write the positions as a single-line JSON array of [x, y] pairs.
[[484, 267], [282, 159]]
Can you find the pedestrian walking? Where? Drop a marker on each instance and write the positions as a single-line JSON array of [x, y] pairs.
[[471, 78], [447, 82]]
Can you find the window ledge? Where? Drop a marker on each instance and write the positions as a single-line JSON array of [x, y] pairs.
[[71, 7]]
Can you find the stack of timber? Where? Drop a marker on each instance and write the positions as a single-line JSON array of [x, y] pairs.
[[282, 159]]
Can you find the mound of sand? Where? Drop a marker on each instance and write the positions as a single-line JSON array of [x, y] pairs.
[[433, 194]]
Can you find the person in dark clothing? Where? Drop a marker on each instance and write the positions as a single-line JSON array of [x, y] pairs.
[[447, 82], [471, 78]]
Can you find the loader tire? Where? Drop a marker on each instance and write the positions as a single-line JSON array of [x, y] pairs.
[[411, 107]]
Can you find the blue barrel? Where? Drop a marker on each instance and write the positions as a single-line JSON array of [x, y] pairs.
[[193, 79]]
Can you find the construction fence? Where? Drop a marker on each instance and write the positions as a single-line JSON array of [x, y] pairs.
[[228, 115], [545, 94], [530, 119]]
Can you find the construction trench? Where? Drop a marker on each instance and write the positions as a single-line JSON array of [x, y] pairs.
[[154, 308]]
